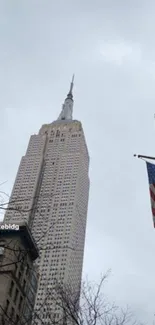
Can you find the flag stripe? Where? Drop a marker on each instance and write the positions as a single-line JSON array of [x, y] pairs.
[[152, 194], [151, 177]]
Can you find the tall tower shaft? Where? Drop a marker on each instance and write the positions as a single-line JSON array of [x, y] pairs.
[[51, 193]]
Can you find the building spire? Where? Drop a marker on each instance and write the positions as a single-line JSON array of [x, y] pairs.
[[67, 107], [70, 94]]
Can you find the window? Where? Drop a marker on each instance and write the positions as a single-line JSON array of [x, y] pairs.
[[57, 133]]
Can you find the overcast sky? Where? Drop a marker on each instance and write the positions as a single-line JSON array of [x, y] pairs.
[[110, 46]]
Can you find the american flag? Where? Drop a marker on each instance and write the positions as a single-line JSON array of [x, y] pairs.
[[151, 176]]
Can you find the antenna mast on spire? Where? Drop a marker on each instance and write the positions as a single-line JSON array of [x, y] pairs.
[[70, 94], [67, 108]]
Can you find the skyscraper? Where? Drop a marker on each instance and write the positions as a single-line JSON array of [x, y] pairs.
[[51, 193]]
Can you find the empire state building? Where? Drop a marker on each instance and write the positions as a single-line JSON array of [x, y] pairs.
[[51, 194]]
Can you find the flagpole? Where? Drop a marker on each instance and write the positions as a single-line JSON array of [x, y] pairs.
[[147, 157]]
